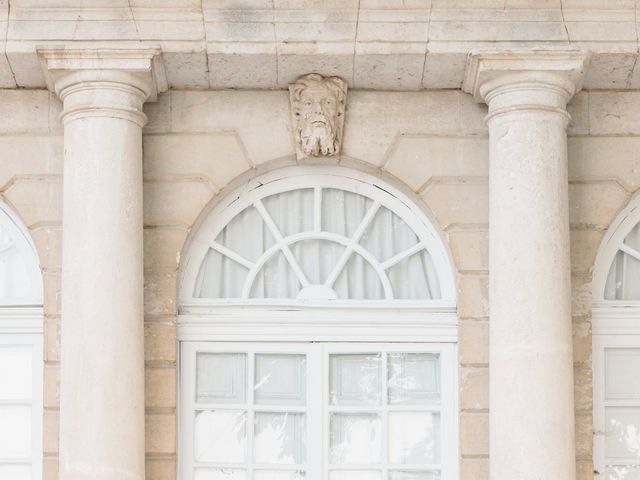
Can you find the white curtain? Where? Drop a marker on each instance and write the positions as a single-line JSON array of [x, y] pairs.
[[387, 235], [623, 282]]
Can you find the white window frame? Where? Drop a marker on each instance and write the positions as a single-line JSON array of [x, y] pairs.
[[430, 323], [317, 408], [615, 323], [21, 323]]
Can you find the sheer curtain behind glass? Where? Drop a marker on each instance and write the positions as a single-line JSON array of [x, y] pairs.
[[15, 283], [623, 281], [336, 243]]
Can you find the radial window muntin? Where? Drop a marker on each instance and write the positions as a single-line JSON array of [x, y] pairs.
[[316, 179]]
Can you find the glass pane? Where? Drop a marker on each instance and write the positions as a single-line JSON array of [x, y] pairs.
[[15, 431], [387, 235], [14, 278], [623, 433], [219, 277], [358, 281], [280, 438], [221, 377], [354, 475], [221, 436], [622, 378], [280, 379], [247, 235], [219, 474], [622, 472], [633, 238], [343, 211], [355, 438], [355, 379], [413, 378], [317, 258], [411, 475], [15, 472], [414, 437], [620, 281], [415, 278], [278, 475], [291, 211], [15, 372], [276, 279]]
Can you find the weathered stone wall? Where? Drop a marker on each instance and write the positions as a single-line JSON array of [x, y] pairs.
[[435, 143]]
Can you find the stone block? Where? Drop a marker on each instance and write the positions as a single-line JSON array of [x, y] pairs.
[[160, 387], [30, 155], [605, 158], [474, 434], [582, 342], [584, 470], [261, 119], [158, 114], [24, 111], [50, 431], [174, 203], [614, 113], [50, 467], [51, 389], [584, 247], [474, 469], [217, 157], [578, 109], [581, 295], [474, 342], [187, 69], [595, 204], [160, 433], [37, 200], [417, 159], [470, 249], [583, 388], [473, 296], [48, 241], [160, 290], [584, 436], [52, 282], [162, 248], [368, 134], [474, 388], [160, 343], [462, 201], [160, 469], [52, 340]]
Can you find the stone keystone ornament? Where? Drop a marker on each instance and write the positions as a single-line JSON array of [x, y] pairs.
[[317, 112]]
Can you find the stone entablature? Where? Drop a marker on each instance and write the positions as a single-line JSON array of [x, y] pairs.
[[373, 45]]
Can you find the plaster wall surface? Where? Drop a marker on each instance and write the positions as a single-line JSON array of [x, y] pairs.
[[432, 143]]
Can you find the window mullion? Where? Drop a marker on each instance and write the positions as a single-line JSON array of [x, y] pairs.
[[250, 413]]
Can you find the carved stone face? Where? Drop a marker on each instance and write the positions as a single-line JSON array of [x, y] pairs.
[[317, 106]]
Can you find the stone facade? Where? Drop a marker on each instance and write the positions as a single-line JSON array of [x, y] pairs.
[[431, 143], [226, 117]]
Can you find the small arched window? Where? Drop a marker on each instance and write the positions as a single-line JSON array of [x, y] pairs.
[[318, 335], [20, 353], [616, 349], [316, 238]]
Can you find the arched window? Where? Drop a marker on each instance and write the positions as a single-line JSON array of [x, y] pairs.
[[20, 353], [318, 335], [616, 349]]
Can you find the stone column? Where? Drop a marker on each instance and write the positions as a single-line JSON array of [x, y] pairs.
[[531, 362], [102, 339]]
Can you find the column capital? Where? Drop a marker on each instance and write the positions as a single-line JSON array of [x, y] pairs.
[[104, 81], [531, 80]]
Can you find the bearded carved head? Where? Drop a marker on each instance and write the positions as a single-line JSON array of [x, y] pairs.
[[317, 109]]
